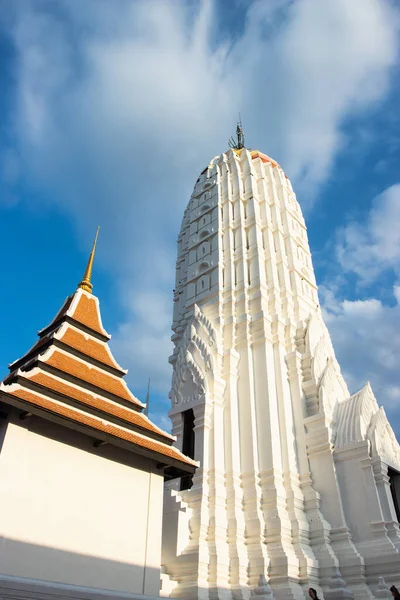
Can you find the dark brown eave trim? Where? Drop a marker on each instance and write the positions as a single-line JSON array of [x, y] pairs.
[[179, 468], [59, 316], [67, 319], [41, 346], [44, 344], [41, 389]]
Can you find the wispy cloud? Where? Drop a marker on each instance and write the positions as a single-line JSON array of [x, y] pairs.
[[371, 247], [363, 332], [120, 105]]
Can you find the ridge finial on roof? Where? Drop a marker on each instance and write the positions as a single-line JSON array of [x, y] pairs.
[[146, 410], [86, 283]]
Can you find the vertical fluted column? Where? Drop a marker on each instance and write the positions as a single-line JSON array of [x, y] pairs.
[[234, 506], [383, 486], [199, 498], [315, 530], [218, 530]]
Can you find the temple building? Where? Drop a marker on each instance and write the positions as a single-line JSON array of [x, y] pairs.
[[81, 467], [299, 481]]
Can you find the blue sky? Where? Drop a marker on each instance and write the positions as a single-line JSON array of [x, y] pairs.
[[111, 109]]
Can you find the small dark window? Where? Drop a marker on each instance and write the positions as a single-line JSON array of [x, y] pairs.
[[394, 479], [188, 445], [203, 267]]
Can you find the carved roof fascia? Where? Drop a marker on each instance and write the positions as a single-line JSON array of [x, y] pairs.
[[196, 354], [186, 359], [383, 440], [353, 416], [332, 372], [315, 328], [323, 383], [178, 376]]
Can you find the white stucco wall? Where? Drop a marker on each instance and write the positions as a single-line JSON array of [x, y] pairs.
[[78, 515]]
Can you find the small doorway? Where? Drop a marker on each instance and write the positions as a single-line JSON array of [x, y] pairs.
[[188, 445], [394, 479]]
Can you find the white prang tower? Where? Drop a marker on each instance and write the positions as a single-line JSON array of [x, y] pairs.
[[298, 481]]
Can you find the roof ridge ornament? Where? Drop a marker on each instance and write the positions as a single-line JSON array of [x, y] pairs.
[[86, 283], [239, 143]]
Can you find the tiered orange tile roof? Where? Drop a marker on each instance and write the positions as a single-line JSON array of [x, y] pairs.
[[89, 346], [39, 401], [70, 376], [60, 388]]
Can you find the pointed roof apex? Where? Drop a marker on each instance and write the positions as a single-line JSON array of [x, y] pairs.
[[366, 389], [354, 415], [86, 283]]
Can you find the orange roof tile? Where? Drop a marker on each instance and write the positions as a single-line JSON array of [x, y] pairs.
[[94, 401], [90, 347], [86, 312], [263, 157], [89, 374], [97, 424]]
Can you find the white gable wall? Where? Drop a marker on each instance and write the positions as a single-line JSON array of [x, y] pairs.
[[73, 516]]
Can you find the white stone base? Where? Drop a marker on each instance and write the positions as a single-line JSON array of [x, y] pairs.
[[19, 588]]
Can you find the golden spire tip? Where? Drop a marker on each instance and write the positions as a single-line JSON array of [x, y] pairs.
[[86, 283]]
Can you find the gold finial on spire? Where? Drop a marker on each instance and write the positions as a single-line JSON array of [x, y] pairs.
[[86, 284]]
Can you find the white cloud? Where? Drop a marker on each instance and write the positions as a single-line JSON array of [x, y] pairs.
[[121, 104], [143, 342], [366, 345], [371, 247]]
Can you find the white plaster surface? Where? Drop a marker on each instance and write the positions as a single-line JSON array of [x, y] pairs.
[[73, 516]]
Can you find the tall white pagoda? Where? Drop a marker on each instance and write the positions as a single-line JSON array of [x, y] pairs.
[[298, 480]]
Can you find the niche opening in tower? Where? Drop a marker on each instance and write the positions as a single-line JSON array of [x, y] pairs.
[[188, 444], [394, 478]]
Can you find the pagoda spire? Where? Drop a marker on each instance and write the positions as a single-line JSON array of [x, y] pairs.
[[86, 283]]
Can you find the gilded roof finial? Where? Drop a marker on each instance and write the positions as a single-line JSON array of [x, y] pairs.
[[86, 284]]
